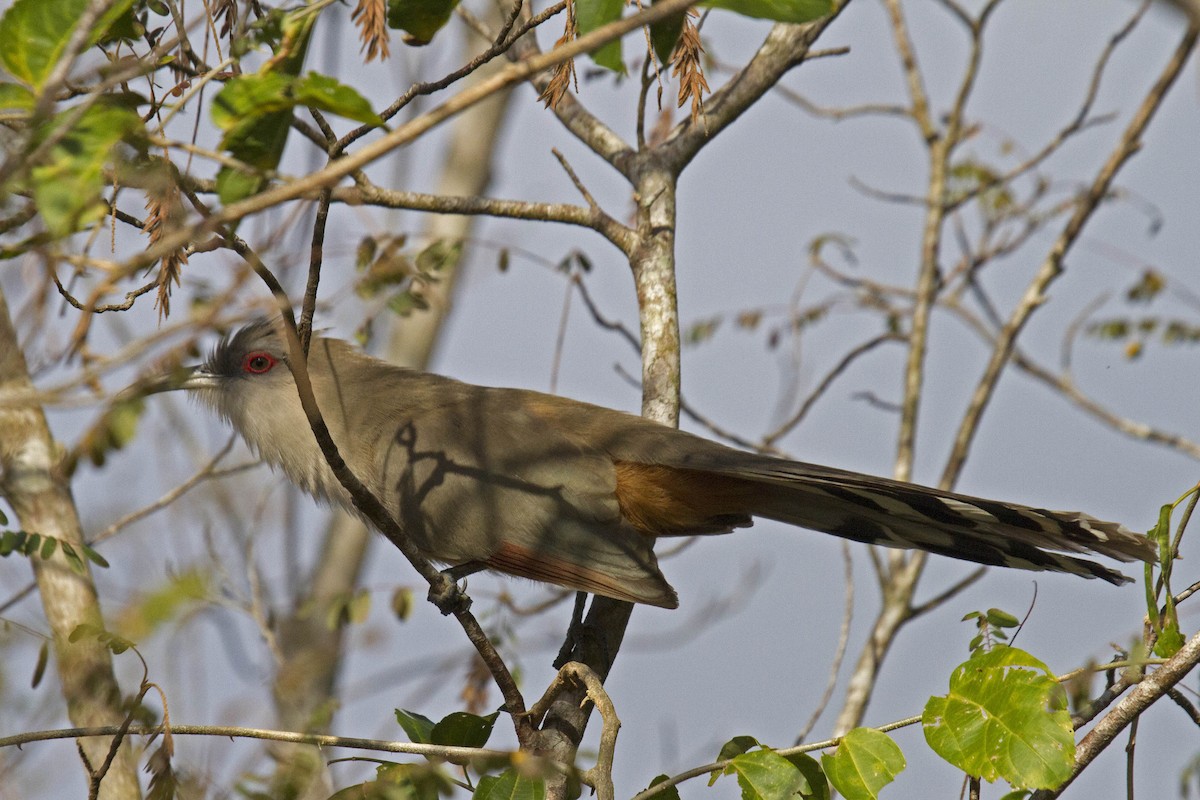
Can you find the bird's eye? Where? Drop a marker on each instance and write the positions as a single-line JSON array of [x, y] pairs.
[[258, 363]]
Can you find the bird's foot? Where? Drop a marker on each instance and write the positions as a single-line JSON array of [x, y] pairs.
[[447, 594], [573, 642]]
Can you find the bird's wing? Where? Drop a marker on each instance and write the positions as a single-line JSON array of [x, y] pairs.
[[672, 482], [476, 477]]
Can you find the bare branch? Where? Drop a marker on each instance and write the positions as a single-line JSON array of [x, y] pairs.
[[593, 218], [825, 383], [312, 183], [839, 652], [1151, 687], [785, 47], [950, 592], [598, 777], [1052, 266], [322, 740]]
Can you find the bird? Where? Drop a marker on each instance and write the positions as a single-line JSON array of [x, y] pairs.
[[556, 490]]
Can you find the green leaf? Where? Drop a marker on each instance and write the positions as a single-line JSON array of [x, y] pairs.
[[247, 98], [39, 669], [13, 95], [114, 429], [593, 14], [864, 762], [255, 112], [263, 93], [67, 186], [325, 93], [509, 785], [460, 729], [399, 782], [49, 545], [420, 18], [670, 793], [73, 559], [1169, 641], [295, 34], [664, 34], [766, 775], [1004, 717], [1166, 625], [237, 184], [94, 557], [9, 541], [418, 727], [731, 749], [85, 629], [115, 644], [405, 303], [34, 34], [120, 24], [402, 603], [777, 10], [438, 255], [347, 608], [161, 605], [810, 768], [1001, 618], [3, 517], [736, 746]]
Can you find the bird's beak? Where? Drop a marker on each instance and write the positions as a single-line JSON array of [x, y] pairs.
[[181, 377]]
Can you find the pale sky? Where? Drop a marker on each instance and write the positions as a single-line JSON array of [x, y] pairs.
[[748, 207]]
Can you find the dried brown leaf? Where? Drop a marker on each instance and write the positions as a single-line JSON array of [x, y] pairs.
[[163, 782], [225, 13], [165, 212], [474, 693], [371, 17], [662, 127], [689, 68], [564, 74]]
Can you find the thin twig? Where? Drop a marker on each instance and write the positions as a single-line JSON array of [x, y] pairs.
[[839, 652], [952, 591], [401, 135], [502, 43], [205, 473], [230, 732], [1066, 386], [827, 381], [717, 766], [1151, 687], [1053, 265]]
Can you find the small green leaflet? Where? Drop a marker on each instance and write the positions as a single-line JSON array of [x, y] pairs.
[[509, 785], [865, 761]]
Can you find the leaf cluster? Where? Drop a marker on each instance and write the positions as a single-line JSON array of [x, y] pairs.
[[42, 546]]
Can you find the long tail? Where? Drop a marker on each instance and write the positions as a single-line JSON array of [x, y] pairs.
[[894, 514], [711, 489]]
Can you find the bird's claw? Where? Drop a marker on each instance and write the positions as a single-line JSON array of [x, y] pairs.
[[448, 596]]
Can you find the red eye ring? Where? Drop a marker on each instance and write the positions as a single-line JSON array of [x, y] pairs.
[[258, 362]]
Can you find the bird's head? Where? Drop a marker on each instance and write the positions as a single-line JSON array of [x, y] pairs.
[[245, 375]]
